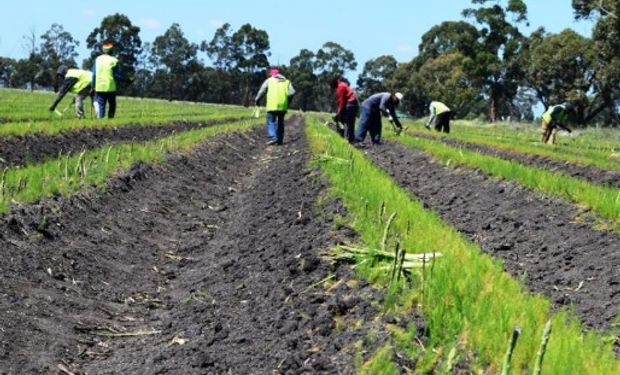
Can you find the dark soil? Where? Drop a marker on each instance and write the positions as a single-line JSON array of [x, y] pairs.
[[539, 239], [35, 148], [589, 173], [216, 254]]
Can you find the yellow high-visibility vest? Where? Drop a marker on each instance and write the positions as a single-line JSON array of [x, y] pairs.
[[277, 94], [84, 78], [559, 117], [439, 108], [104, 80]]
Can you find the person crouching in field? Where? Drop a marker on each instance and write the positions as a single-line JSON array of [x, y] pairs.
[[370, 119], [441, 114], [346, 101], [554, 117], [106, 73], [76, 81], [279, 92]]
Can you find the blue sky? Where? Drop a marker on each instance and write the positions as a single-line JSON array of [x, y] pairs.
[[368, 28]]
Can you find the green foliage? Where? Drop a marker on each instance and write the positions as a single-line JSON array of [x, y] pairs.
[[373, 77], [174, 56], [560, 68], [57, 48], [125, 36]]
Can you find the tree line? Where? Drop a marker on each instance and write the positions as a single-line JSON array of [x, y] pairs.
[[483, 67]]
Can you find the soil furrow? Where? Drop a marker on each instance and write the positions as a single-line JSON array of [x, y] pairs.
[[540, 240], [204, 265], [35, 148], [589, 173]]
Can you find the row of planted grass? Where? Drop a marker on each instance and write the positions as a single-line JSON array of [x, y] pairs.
[[31, 114], [593, 142], [69, 173], [602, 200], [601, 159], [468, 302], [25, 106]]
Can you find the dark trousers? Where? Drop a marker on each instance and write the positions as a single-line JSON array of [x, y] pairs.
[[442, 122], [275, 126], [370, 121], [100, 99], [348, 118]]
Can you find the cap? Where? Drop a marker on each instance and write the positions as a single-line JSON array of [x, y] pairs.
[[399, 96], [569, 106], [107, 46], [62, 70], [274, 72]]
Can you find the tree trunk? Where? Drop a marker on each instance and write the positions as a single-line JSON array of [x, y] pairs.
[[493, 113]]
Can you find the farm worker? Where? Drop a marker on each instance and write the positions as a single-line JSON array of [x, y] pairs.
[[554, 117], [441, 114], [76, 81], [106, 73], [279, 91], [346, 100], [370, 119]]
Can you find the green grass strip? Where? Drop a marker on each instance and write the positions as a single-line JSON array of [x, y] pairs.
[[466, 297], [603, 200], [70, 173], [574, 149]]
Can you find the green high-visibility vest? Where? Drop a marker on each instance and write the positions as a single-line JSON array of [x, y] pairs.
[[558, 117], [104, 81], [439, 108], [84, 78], [277, 94]]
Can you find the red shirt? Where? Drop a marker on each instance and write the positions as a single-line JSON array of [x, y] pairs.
[[344, 95]]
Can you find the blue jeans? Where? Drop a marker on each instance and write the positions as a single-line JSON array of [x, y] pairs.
[[275, 126], [370, 121], [100, 99]]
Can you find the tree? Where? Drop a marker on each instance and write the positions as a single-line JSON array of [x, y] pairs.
[[405, 80], [57, 48], [174, 55], [606, 37], [125, 36], [449, 37], [220, 48], [448, 78], [500, 44], [250, 48], [7, 68], [29, 70], [332, 59], [560, 68], [301, 73], [375, 74]]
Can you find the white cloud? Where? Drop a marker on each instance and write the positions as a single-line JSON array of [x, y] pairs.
[[150, 23], [216, 24], [405, 48], [89, 12]]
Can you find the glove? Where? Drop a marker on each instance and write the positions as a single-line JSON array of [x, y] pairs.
[[427, 125], [336, 117], [390, 119]]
